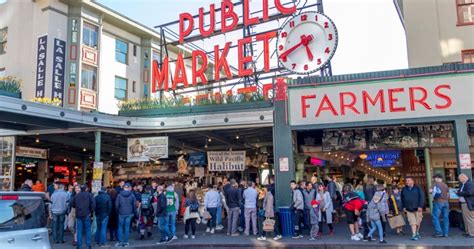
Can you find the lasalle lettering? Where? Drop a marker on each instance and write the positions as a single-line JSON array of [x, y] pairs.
[[384, 100], [229, 20]]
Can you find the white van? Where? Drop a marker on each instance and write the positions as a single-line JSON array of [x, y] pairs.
[[23, 220]]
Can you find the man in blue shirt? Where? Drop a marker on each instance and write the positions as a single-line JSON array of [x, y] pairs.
[[251, 196]]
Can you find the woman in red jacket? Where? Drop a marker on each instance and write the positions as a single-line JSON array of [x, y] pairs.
[[352, 204]]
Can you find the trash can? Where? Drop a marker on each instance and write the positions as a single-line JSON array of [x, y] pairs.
[[286, 221]]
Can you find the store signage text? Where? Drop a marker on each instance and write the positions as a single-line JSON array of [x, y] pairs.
[[229, 20], [59, 56], [41, 66], [30, 152], [226, 160], [412, 98]]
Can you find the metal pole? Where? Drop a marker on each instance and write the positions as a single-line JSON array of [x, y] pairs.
[[98, 142], [428, 176]]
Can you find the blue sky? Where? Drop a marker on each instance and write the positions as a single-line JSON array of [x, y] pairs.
[[371, 37]]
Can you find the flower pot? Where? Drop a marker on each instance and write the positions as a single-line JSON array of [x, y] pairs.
[[10, 94], [156, 112]]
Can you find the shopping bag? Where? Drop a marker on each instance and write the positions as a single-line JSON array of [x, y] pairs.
[[268, 225], [206, 215], [396, 221]]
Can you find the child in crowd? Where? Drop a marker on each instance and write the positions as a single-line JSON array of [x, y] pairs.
[[314, 219], [377, 210]]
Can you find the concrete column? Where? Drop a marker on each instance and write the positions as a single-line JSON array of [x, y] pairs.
[[428, 176], [461, 139], [282, 149], [98, 143]]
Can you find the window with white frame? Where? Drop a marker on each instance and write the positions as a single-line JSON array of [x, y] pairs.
[[121, 51], [120, 88], [89, 35], [89, 77]]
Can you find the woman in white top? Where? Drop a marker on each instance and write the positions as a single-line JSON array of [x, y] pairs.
[[326, 209]]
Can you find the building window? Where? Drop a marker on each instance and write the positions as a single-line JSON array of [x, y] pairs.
[[134, 83], [467, 56], [89, 77], [3, 40], [121, 51], [134, 50], [120, 88], [89, 35], [465, 10]]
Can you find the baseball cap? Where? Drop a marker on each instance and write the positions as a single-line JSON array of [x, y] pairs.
[[314, 202]]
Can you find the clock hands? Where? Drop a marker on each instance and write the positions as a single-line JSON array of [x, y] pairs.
[[305, 40]]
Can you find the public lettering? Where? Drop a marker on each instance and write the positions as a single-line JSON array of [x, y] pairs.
[[373, 101], [421, 100], [201, 72], [443, 96], [392, 100], [350, 105], [304, 105], [326, 105]]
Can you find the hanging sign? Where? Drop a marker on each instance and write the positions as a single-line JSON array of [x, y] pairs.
[[226, 160], [98, 171], [197, 159], [41, 66], [465, 161], [30, 152], [284, 165], [59, 56], [145, 149]]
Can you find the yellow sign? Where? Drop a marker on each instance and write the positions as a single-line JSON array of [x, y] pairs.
[[97, 174]]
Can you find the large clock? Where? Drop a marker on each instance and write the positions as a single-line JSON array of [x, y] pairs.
[[306, 42]]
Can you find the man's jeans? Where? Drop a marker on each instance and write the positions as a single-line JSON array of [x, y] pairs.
[[82, 224], [212, 223], [172, 223], [101, 233], [232, 219], [124, 228], [219, 216], [58, 227], [376, 225], [164, 228], [441, 208]]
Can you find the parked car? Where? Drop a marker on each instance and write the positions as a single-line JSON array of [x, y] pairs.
[[23, 217]]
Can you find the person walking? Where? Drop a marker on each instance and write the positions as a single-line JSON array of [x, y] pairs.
[[353, 205], [84, 204], [59, 201], [212, 200], [233, 200], [146, 213], [103, 208], [314, 220], [309, 194], [395, 207], [325, 209], [126, 209], [269, 213], [376, 211], [413, 201], [172, 207], [250, 197], [160, 212], [191, 214], [440, 194], [466, 197], [113, 217], [38, 187], [369, 189], [297, 207]]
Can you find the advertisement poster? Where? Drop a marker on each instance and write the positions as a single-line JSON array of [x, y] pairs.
[[393, 137], [284, 166], [226, 160], [98, 171], [41, 66], [197, 159], [59, 55], [465, 161], [440, 135], [344, 140], [144, 149]]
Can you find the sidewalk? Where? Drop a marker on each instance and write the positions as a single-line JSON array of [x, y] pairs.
[[341, 240]]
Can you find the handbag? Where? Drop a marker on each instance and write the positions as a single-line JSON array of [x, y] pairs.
[[268, 225], [396, 221], [206, 215]]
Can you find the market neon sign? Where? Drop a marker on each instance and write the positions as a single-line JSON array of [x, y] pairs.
[[229, 21]]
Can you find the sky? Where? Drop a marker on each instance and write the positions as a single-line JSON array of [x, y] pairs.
[[371, 36]]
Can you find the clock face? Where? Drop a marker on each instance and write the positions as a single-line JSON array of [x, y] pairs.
[[307, 42]]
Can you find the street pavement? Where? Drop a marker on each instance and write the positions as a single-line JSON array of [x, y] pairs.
[[340, 240]]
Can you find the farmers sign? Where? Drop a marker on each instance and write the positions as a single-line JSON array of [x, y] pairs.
[[370, 101]]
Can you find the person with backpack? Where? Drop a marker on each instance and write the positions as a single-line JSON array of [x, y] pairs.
[[160, 212], [376, 211], [325, 209], [413, 201], [146, 213], [297, 207], [309, 194], [352, 204], [191, 215], [103, 208], [440, 193], [126, 209], [395, 207]]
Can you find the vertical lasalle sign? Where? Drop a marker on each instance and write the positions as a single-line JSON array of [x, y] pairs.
[[229, 20]]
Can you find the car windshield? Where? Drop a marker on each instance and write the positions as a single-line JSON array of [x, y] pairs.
[[22, 214]]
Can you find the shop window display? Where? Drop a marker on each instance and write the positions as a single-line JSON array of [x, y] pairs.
[[7, 157]]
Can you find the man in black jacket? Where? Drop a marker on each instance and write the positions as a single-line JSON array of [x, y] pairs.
[[413, 201], [370, 189], [233, 200], [466, 197], [103, 208], [84, 204], [161, 214]]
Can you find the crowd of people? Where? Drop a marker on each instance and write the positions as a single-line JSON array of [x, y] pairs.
[[249, 208]]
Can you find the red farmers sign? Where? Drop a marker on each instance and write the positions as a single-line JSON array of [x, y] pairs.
[[229, 20]]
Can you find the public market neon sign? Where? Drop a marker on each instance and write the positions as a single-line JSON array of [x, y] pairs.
[[229, 20]]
